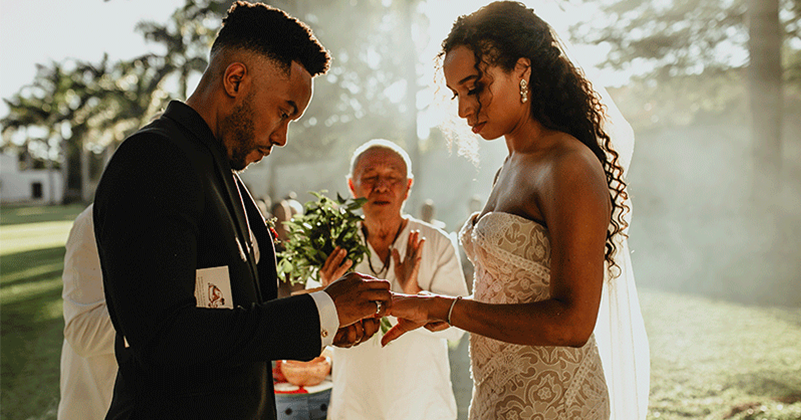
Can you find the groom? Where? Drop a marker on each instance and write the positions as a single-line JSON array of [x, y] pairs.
[[188, 263]]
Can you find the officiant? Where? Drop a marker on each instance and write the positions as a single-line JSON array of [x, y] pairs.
[[409, 379]]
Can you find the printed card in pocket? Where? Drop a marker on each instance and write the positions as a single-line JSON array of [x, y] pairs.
[[213, 288]]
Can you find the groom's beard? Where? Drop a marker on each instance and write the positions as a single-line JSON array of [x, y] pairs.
[[240, 125]]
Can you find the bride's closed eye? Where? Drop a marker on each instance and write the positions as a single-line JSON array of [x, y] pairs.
[[473, 91]]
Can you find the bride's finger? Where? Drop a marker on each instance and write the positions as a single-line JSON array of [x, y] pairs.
[[402, 327], [391, 335]]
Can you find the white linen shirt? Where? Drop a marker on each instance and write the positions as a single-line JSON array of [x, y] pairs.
[[88, 366], [409, 378]]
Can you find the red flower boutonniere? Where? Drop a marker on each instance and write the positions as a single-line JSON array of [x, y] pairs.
[[271, 227]]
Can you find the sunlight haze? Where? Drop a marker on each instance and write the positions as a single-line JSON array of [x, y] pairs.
[[38, 32]]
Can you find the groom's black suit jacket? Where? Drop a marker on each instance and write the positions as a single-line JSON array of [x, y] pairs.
[[167, 205]]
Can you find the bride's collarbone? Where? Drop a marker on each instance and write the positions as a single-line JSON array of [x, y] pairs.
[[512, 201]]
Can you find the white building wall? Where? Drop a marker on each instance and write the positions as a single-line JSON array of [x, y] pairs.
[[19, 186]]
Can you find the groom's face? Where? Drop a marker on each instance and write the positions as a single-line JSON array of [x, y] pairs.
[[260, 120]]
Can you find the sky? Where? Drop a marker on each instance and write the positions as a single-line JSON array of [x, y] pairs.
[[38, 31]]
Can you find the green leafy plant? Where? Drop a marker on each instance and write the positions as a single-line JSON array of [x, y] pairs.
[[385, 325], [325, 224]]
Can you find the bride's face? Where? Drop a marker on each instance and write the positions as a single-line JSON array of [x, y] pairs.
[[490, 101]]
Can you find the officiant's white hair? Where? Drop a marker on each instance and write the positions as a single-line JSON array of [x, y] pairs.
[[380, 144]]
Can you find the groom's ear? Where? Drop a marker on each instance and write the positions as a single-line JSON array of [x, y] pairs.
[[233, 79]]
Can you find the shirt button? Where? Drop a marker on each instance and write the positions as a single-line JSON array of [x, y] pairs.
[[324, 333]]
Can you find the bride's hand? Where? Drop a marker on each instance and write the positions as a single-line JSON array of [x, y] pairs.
[[402, 327], [437, 326], [413, 312]]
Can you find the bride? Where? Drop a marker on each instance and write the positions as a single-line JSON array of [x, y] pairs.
[[549, 248]]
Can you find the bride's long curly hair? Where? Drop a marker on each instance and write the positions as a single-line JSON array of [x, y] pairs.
[[561, 97]]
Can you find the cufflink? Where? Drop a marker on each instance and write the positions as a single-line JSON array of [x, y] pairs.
[[324, 333]]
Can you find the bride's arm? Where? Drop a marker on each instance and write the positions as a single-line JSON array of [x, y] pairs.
[[575, 204]]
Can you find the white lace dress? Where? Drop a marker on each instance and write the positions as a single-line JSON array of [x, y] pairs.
[[512, 257]]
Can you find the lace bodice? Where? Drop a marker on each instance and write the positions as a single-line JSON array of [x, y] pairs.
[[512, 257]]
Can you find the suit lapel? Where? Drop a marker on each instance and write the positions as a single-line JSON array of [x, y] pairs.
[[267, 263], [234, 202], [242, 195]]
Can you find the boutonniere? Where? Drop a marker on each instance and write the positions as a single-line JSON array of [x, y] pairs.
[[271, 227]]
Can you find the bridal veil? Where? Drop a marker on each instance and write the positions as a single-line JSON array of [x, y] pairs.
[[620, 330]]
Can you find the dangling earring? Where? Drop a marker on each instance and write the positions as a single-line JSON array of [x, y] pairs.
[[523, 91]]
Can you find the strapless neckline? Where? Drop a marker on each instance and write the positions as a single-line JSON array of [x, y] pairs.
[[478, 217]]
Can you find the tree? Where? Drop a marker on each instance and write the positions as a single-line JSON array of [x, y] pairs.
[[76, 107], [681, 36], [724, 58], [709, 38], [56, 108], [369, 92], [187, 37], [765, 90], [368, 82]]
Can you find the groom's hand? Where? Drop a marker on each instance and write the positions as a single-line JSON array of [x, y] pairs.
[[357, 333], [357, 296]]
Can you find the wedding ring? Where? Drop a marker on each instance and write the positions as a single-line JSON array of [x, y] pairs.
[[377, 306]]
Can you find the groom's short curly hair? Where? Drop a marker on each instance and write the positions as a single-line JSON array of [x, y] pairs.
[[265, 30]]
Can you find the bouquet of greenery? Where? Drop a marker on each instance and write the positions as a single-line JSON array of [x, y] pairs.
[[324, 225]]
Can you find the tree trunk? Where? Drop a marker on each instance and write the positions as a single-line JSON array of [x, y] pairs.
[[51, 179], [65, 171], [410, 101], [86, 190], [765, 91]]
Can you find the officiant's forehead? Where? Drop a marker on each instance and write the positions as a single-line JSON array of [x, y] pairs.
[[381, 157], [380, 149]]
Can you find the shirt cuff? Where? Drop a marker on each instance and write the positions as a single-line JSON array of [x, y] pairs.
[[329, 319]]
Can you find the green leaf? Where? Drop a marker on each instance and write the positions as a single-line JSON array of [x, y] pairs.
[[385, 325], [314, 235]]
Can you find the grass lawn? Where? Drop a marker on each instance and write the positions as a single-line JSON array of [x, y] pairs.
[[710, 359], [31, 324], [715, 359]]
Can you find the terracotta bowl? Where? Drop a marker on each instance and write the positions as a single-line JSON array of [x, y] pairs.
[[306, 373]]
